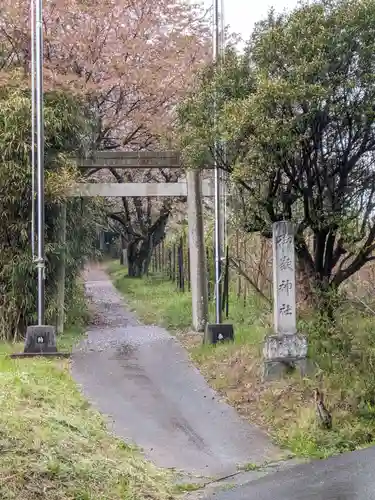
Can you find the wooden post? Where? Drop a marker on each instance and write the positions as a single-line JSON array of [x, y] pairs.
[[245, 283], [61, 272], [181, 264], [101, 240], [208, 274], [170, 272], [174, 263], [188, 269], [238, 256], [225, 301], [162, 258]]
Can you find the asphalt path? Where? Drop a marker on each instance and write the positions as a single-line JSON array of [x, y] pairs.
[[349, 476], [141, 378]]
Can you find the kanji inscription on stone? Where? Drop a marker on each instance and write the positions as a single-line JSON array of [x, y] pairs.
[[285, 310], [285, 263], [284, 279]]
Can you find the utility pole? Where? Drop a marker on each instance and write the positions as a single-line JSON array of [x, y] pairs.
[[40, 158], [218, 314], [32, 20], [40, 339], [217, 332]]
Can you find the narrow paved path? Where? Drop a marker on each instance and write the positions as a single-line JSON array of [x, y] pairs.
[[345, 477], [141, 378]]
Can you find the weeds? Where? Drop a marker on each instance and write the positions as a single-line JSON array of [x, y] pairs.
[[53, 446], [344, 354]]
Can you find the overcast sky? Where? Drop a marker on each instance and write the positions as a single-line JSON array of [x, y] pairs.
[[242, 14]]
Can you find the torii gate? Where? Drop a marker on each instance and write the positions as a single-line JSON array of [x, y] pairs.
[[135, 160], [192, 187]]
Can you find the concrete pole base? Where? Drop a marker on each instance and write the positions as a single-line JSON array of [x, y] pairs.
[[40, 341], [218, 333]]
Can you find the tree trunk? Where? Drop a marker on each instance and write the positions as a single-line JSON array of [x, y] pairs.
[[305, 284], [139, 256], [315, 292], [327, 300], [135, 267], [123, 246]]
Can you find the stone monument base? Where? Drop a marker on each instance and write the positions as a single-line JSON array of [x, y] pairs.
[[40, 341], [284, 354]]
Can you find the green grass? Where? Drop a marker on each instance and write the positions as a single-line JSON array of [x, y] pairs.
[[54, 446], [250, 467], [153, 308], [344, 354], [187, 487], [157, 301]]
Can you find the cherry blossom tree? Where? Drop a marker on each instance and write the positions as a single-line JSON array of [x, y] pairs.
[[133, 60]]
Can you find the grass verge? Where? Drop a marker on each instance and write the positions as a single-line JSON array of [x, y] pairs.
[[344, 354], [54, 446]]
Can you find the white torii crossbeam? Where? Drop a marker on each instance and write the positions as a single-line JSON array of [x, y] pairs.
[[132, 189], [134, 160]]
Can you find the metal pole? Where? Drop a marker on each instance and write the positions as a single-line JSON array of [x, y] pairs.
[[223, 174], [217, 180], [40, 157], [32, 20], [222, 30]]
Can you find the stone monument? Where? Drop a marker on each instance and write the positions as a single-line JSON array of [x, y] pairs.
[[285, 348]]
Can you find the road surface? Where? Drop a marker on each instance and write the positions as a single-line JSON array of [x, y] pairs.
[[141, 377], [350, 476]]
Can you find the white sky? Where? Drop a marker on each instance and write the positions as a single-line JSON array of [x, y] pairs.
[[242, 14]]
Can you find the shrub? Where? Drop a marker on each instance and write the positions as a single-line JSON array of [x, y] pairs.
[[67, 129]]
